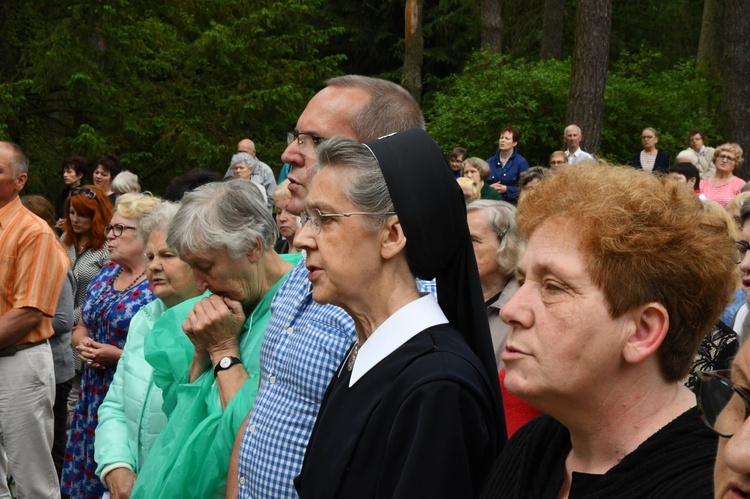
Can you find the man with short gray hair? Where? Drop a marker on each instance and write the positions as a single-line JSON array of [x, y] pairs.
[[33, 268]]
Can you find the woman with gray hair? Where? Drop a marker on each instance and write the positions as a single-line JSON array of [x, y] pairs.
[[497, 248], [242, 166], [418, 391], [209, 375], [130, 418]]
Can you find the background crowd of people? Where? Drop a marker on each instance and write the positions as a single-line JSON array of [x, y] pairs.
[[381, 312]]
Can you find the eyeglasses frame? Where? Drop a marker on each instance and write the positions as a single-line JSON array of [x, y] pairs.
[[720, 376], [117, 227], [304, 217]]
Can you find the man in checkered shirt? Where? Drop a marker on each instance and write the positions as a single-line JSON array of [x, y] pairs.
[[305, 342]]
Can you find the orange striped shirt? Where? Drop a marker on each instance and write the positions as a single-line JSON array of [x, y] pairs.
[[33, 266]]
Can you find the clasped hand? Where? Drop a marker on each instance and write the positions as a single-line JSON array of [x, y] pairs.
[[214, 325]]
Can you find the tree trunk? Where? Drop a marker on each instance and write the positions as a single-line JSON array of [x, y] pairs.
[[552, 29], [492, 25], [411, 78], [710, 46], [735, 100], [589, 70]]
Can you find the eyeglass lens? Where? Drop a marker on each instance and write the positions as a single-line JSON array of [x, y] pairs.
[[116, 229], [722, 407]]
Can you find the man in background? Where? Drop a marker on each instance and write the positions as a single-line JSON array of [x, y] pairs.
[[573, 136]]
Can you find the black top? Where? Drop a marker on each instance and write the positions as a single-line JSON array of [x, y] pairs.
[[661, 164], [676, 461], [432, 213], [418, 424]]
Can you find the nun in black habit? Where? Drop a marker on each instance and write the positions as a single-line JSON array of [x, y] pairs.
[[414, 409]]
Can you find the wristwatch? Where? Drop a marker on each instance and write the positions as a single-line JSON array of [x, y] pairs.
[[226, 363]]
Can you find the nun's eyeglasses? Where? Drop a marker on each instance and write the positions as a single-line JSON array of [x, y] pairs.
[[723, 406], [316, 218], [304, 140]]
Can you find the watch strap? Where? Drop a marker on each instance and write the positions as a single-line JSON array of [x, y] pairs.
[[225, 363]]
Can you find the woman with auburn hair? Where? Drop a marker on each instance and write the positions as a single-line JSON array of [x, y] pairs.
[[88, 212], [615, 295], [722, 186]]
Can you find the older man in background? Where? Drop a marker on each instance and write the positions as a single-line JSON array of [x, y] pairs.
[[33, 267], [573, 137]]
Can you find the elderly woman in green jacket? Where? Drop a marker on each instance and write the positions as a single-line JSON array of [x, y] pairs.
[[131, 417]]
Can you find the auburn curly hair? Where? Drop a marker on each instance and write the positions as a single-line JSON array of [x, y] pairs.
[[646, 239]]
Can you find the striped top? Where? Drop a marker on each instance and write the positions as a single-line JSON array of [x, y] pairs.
[[33, 266]]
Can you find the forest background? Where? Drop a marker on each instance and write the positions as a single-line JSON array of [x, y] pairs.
[[174, 85]]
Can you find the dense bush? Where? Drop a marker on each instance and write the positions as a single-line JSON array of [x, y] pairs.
[[495, 91]]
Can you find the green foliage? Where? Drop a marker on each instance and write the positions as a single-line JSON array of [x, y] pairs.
[[496, 91], [165, 86]]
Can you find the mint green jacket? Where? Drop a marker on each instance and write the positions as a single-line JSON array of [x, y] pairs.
[[191, 456], [130, 417]]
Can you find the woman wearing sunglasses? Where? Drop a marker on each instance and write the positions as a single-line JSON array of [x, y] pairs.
[[89, 210], [724, 402], [118, 291]]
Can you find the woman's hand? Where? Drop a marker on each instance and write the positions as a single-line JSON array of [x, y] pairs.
[[60, 223], [120, 483], [98, 355], [502, 189], [214, 326]]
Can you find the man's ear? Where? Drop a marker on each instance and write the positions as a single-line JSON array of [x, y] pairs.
[[394, 240], [20, 181], [650, 323]]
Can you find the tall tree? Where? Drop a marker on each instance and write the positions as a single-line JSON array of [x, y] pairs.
[[411, 77], [492, 25], [589, 70], [735, 106], [552, 29], [710, 46]]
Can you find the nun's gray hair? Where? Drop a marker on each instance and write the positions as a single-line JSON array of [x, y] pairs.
[[501, 218], [159, 219], [365, 185], [230, 214]]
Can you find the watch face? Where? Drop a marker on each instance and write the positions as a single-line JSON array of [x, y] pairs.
[[225, 362]]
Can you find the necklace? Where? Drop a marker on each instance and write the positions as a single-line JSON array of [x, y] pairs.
[[132, 283]]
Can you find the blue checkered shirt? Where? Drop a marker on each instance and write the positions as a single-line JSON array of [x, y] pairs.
[[303, 346]]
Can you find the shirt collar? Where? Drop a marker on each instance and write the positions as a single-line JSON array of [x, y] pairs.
[[7, 211], [407, 322]]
